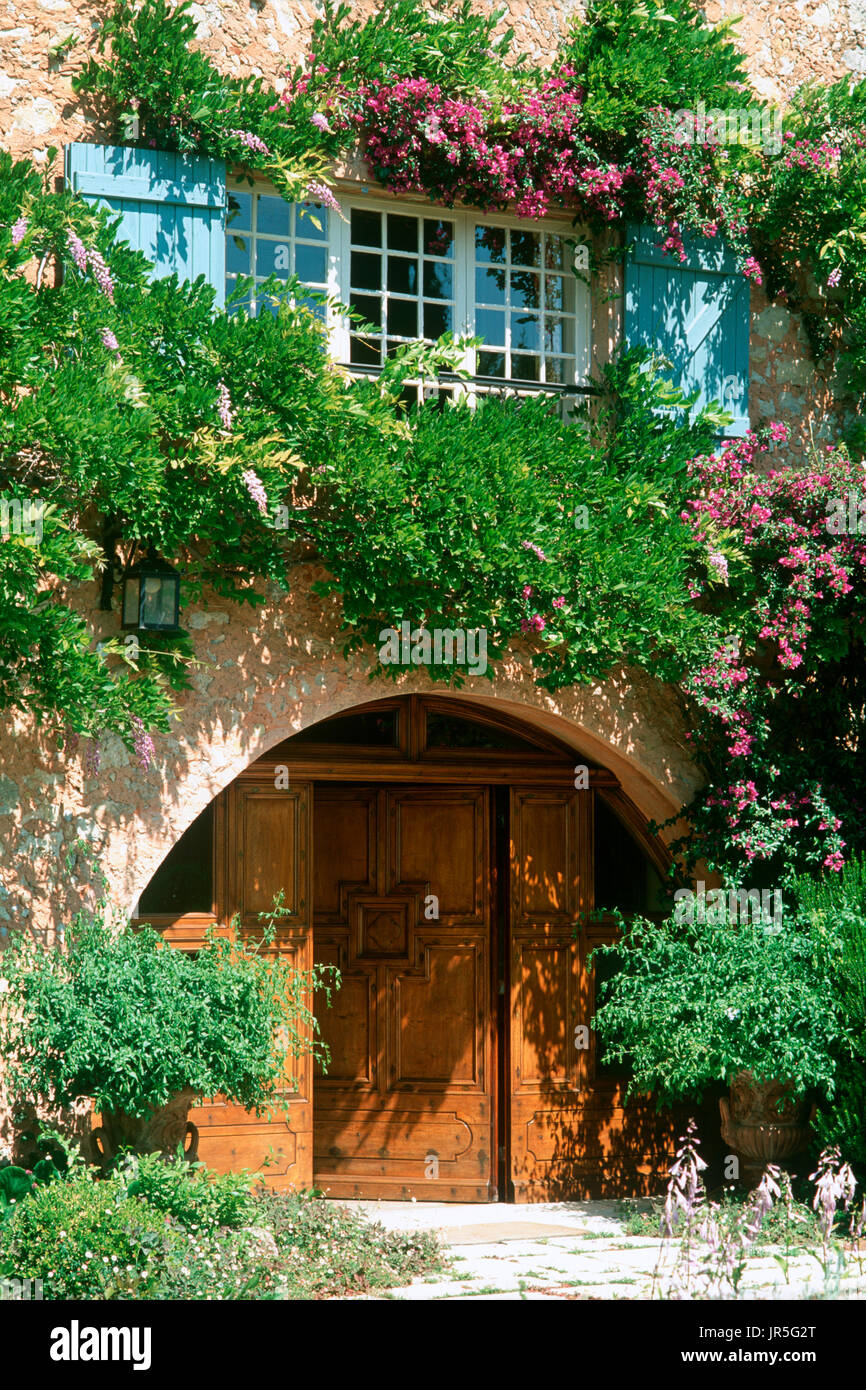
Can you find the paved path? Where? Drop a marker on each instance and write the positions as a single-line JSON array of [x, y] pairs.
[[574, 1250]]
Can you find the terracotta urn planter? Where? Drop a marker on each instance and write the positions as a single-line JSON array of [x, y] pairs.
[[159, 1131], [762, 1123]]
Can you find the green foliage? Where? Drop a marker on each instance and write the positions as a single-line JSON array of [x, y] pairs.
[[693, 1004], [85, 1239], [328, 1249], [836, 904], [633, 55], [180, 483], [435, 528], [164, 90], [449, 44], [156, 1230], [121, 1017], [195, 1196]]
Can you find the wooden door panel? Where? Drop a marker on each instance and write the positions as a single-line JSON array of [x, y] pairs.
[[268, 848], [571, 1135], [431, 1015], [550, 887], [406, 1107]]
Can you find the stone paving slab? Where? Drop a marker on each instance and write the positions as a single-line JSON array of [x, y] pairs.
[[573, 1250]]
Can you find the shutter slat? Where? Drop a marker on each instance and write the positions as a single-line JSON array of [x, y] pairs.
[[696, 314], [172, 206]]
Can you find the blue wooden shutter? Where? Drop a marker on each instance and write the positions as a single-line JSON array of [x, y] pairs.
[[172, 205], [696, 313]]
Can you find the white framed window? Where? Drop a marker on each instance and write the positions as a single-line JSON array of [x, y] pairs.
[[416, 271]]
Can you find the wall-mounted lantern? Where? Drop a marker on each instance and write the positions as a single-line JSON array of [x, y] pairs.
[[151, 596]]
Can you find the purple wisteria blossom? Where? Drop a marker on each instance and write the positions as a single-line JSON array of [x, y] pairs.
[[77, 249], [91, 757], [251, 142], [834, 277], [719, 563], [142, 742], [318, 192], [320, 121], [109, 340], [101, 274], [19, 231], [536, 549], [224, 406], [254, 486]]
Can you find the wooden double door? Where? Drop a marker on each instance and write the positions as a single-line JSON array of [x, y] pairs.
[[462, 1062], [452, 914]]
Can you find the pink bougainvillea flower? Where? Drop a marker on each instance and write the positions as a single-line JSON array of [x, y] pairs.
[[559, 603]]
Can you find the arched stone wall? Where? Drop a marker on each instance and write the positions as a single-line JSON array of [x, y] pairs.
[[264, 674]]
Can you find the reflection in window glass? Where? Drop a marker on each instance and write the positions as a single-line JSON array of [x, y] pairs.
[[528, 273], [405, 288], [624, 877], [267, 236], [184, 880]]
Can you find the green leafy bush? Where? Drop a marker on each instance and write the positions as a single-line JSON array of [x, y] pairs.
[[193, 1194], [837, 905], [123, 1018], [86, 1239], [691, 1004]]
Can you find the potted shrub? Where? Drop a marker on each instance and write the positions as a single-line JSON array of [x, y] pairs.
[[692, 1004], [120, 1018]]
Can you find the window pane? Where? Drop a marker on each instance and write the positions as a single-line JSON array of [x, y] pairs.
[[238, 255], [364, 352], [554, 292], [559, 371], [491, 364], [240, 211], [438, 280], [525, 368], [437, 320], [305, 225], [370, 305], [490, 244], [377, 728], [489, 286], [403, 317], [438, 238], [184, 880], [402, 275], [490, 325], [272, 258], [366, 271], [402, 232], [272, 216], [624, 876], [366, 227], [558, 336], [310, 263], [555, 253], [526, 248], [525, 332], [525, 289]]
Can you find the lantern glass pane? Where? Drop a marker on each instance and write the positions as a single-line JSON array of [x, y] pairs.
[[131, 590], [157, 601]]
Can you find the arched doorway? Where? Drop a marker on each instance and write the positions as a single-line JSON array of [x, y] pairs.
[[458, 867]]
